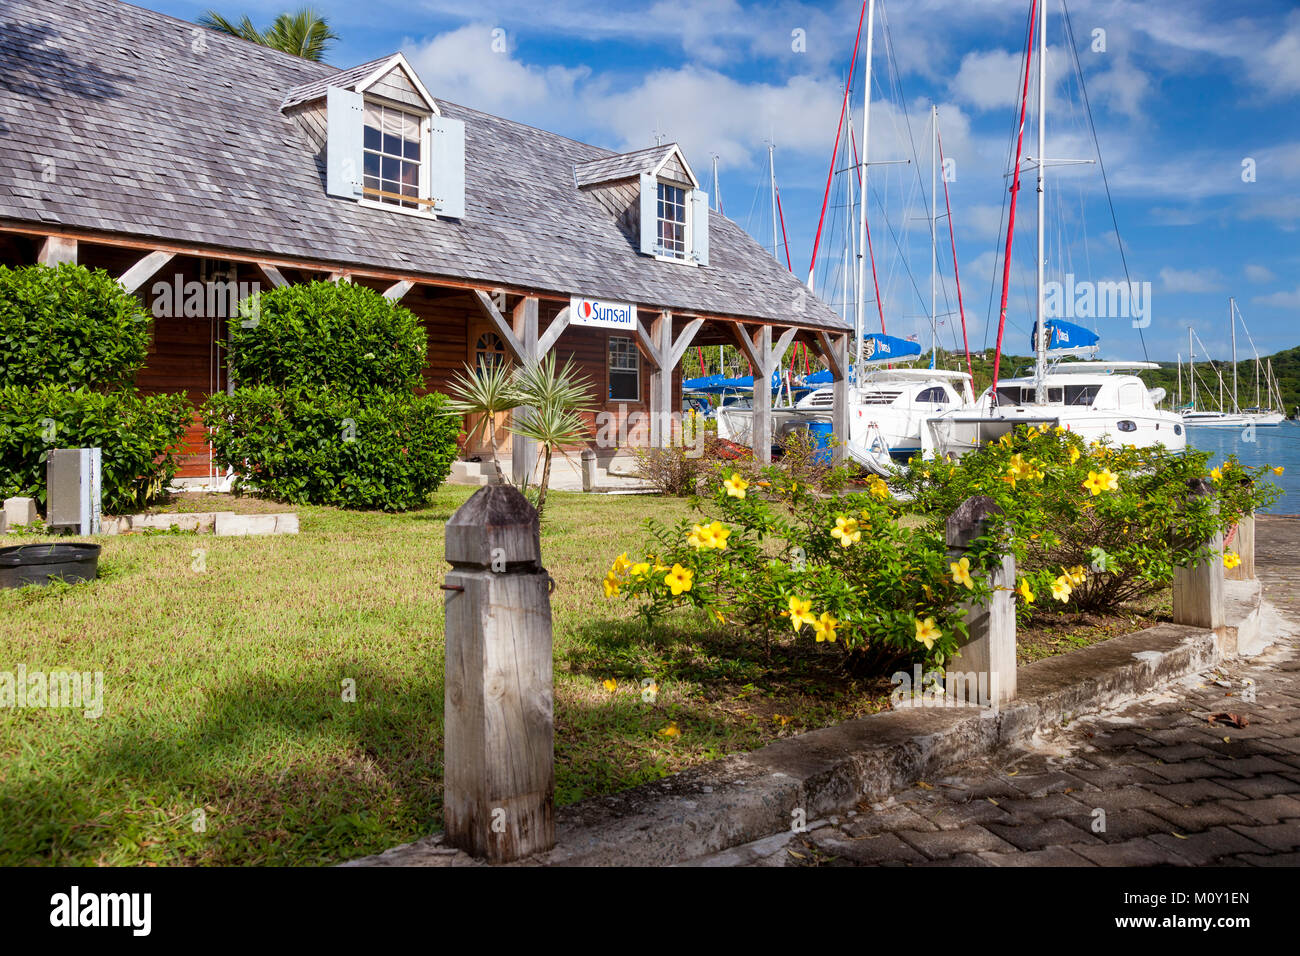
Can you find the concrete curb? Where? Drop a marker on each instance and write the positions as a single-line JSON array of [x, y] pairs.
[[220, 523], [748, 797]]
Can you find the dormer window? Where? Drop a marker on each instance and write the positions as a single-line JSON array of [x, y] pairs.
[[394, 149], [672, 222]]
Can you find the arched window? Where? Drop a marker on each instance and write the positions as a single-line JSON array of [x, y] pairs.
[[489, 351]]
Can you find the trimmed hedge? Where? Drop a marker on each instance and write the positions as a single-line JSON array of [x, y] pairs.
[[140, 438], [69, 325], [304, 446], [340, 336]]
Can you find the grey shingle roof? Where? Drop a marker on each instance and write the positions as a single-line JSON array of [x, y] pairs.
[[158, 129], [621, 166], [316, 88]]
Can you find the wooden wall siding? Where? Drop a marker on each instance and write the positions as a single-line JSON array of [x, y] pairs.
[[396, 85], [674, 171]]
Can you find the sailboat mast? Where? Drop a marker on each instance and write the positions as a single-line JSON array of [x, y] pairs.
[[771, 171], [1180, 381], [717, 193], [1232, 319], [1191, 367], [934, 232], [1040, 370], [849, 247], [862, 174]]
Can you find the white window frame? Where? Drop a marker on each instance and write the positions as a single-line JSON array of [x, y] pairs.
[[609, 368], [426, 148]]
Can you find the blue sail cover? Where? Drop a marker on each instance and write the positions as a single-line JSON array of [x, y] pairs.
[[877, 348], [714, 384], [1065, 337]]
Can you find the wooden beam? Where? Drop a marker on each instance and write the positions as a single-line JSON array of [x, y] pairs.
[[500, 324], [273, 275], [647, 343], [395, 291], [661, 382], [760, 438], [56, 250], [340, 275], [778, 351], [824, 345], [523, 458], [553, 332], [747, 345], [144, 269], [684, 341]]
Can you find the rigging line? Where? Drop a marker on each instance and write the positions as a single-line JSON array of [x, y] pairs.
[[1083, 88], [880, 306], [952, 241]]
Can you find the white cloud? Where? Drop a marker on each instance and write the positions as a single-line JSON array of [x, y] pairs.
[[1190, 280], [1259, 274], [1282, 300]]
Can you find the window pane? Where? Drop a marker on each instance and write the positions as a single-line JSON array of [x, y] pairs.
[[372, 164], [372, 137], [392, 145], [623, 387], [392, 169], [412, 149], [411, 174]]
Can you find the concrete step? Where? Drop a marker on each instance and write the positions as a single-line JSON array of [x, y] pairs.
[[469, 473]]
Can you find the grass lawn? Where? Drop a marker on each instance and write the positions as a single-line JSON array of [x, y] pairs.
[[224, 661]]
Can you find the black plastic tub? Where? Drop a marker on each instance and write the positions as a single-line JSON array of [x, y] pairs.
[[27, 564]]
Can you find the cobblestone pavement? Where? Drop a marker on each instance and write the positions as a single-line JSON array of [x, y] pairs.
[[1151, 783]]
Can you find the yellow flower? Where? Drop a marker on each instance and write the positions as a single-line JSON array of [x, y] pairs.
[[719, 615], [801, 613], [825, 627], [709, 536], [879, 488], [609, 684], [1215, 474], [1278, 470], [611, 585], [671, 730], [1231, 560], [1061, 589], [1059, 430], [846, 531], [640, 569], [679, 579], [1076, 575], [1074, 454], [1005, 440], [621, 565], [1103, 480], [736, 485], [927, 632], [720, 534], [1025, 591], [961, 573]]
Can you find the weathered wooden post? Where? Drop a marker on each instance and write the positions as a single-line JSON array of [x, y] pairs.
[[588, 470], [1242, 541], [1198, 591], [499, 776], [989, 657]]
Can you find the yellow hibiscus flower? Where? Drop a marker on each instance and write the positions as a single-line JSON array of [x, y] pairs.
[[825, 627], [1025, 591], [927, 632], [679, 579], [801, 613], [961, 573], [736, 485], [1099, 481], [846, 531], [1061, 589], [1231, 560], [611, 585]]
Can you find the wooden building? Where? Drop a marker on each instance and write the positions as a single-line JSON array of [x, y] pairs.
[[180, 159]]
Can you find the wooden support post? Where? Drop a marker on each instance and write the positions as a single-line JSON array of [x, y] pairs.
[[523, 451], [985, 673], [1243, 542], [1198, 591], [144, 269], [498, 734], [395, 291], [761, 422], [273, 275], [56, 250], [661, 382]]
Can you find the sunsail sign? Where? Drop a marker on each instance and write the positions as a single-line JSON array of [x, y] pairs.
[[601, 313]]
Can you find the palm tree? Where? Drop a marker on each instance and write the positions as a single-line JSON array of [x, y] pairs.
[[553, 403], [306, 33], [486, 391]]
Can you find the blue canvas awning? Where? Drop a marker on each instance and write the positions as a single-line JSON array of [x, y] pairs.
[[878, 347], [1065, 337]]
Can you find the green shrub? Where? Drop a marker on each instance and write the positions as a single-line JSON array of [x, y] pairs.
[[140, 438], [1086, 549], [387, 452], [69, 325], [326, 335]]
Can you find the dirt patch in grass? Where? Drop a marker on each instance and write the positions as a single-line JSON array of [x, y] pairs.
[[1049, 633], [195, 502]]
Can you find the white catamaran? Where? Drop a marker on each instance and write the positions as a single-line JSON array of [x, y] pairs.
[[1238, 417]]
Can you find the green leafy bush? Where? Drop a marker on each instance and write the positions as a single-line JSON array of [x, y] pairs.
[[340, 336], [385, 452], [140, 438], [69, 325], [771, 557], [1092, 526]]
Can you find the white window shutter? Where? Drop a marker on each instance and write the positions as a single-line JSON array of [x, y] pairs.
[[343, 150], [700, 226], [447, 166], [649, 214]]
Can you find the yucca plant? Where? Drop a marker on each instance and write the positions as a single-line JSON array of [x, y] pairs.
[[485, 391], [552, 401]]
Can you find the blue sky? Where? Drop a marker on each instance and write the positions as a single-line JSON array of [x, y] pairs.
[[1183, 93]]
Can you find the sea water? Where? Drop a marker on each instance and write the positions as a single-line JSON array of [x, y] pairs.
[[1270, 445]]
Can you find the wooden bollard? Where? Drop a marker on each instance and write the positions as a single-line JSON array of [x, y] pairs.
[[499, 776], [588, 470], [989, 657], [1198, 591]]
